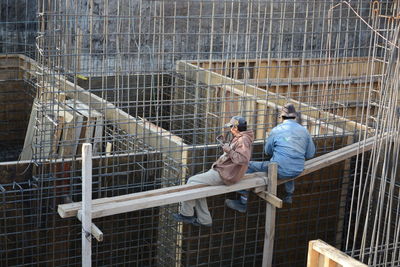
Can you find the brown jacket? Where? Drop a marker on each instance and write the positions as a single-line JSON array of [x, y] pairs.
[[232, 166]]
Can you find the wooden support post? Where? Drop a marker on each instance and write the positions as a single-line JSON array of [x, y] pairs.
[[270, 217], [86, 205]]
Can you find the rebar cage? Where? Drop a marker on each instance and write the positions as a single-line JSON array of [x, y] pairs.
[[150, 85]]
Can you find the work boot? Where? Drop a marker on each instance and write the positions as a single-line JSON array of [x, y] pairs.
[[288, 199], [182, 218], [197, 223], [236, 205]]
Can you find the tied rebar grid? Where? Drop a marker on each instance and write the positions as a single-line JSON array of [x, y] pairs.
[[107, 72], [372, 232]]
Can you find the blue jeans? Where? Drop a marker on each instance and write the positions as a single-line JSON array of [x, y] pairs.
[[262, 166]]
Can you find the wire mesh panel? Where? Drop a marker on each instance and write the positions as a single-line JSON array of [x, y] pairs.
[[372, 230], [150, 84], [18, 27]]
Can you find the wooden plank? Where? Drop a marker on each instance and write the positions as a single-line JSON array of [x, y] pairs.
[[270, 198], [27, 150], [166, 199], [339, 257], [57, 136], [89, 121], [92, 130], [316, 122], [329, 262], [313, 80], [193, 72], [313, 256], [71, 209], [336, 156], [270, 214], [165, 141], [71, 131], [87, 205]]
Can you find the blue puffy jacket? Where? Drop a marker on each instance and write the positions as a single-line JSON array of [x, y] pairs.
[[290, 144]]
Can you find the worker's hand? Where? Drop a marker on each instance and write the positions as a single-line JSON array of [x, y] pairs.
[[226, 148], [220, 138]]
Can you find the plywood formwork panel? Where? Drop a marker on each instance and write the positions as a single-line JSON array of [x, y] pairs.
[[293, 67], [226, 102], [210, 78]]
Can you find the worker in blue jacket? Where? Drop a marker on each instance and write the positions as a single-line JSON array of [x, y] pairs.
[[290, 145]]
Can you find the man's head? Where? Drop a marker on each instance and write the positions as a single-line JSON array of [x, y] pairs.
[[237, 123], [288, 112]]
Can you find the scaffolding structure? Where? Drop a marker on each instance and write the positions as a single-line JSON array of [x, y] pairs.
[[150, 84]]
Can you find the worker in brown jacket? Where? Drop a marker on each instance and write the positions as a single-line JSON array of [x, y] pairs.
[[228, 169]]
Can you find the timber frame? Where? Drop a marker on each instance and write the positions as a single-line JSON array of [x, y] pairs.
[[172, 146]]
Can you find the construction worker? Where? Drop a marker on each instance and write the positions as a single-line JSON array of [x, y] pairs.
[[289, 144], [228, 169]]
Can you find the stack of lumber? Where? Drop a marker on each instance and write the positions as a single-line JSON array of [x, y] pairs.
[[59, 129]]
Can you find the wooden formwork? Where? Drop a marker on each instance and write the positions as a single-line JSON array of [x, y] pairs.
[[261, 108], [259, 105], [210, 107], [331, 91]]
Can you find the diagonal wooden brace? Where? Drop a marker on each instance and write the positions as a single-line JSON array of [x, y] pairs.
[[270, 198]]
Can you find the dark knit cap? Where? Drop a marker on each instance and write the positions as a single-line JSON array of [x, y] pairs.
[[289, 111]]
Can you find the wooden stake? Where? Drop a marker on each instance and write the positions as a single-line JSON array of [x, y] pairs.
[[86, 205], [270, 217]]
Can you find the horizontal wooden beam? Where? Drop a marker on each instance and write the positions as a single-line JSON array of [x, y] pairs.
[[312, 80], [196, 73], [336, 156], [126, 203], [152, 134], [333, 128], [180, 193]]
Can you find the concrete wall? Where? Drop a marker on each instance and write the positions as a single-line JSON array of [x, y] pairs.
[[18, 26], [15, 109], [143, 36]]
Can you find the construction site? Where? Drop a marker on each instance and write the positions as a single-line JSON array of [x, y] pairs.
[[146, 86]]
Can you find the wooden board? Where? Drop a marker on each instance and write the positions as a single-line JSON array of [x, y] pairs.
[[68, 210], [71, 209], [337, 156], [71, 130], [92, 126], [196, 73], [27, 150], [324, 255]]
